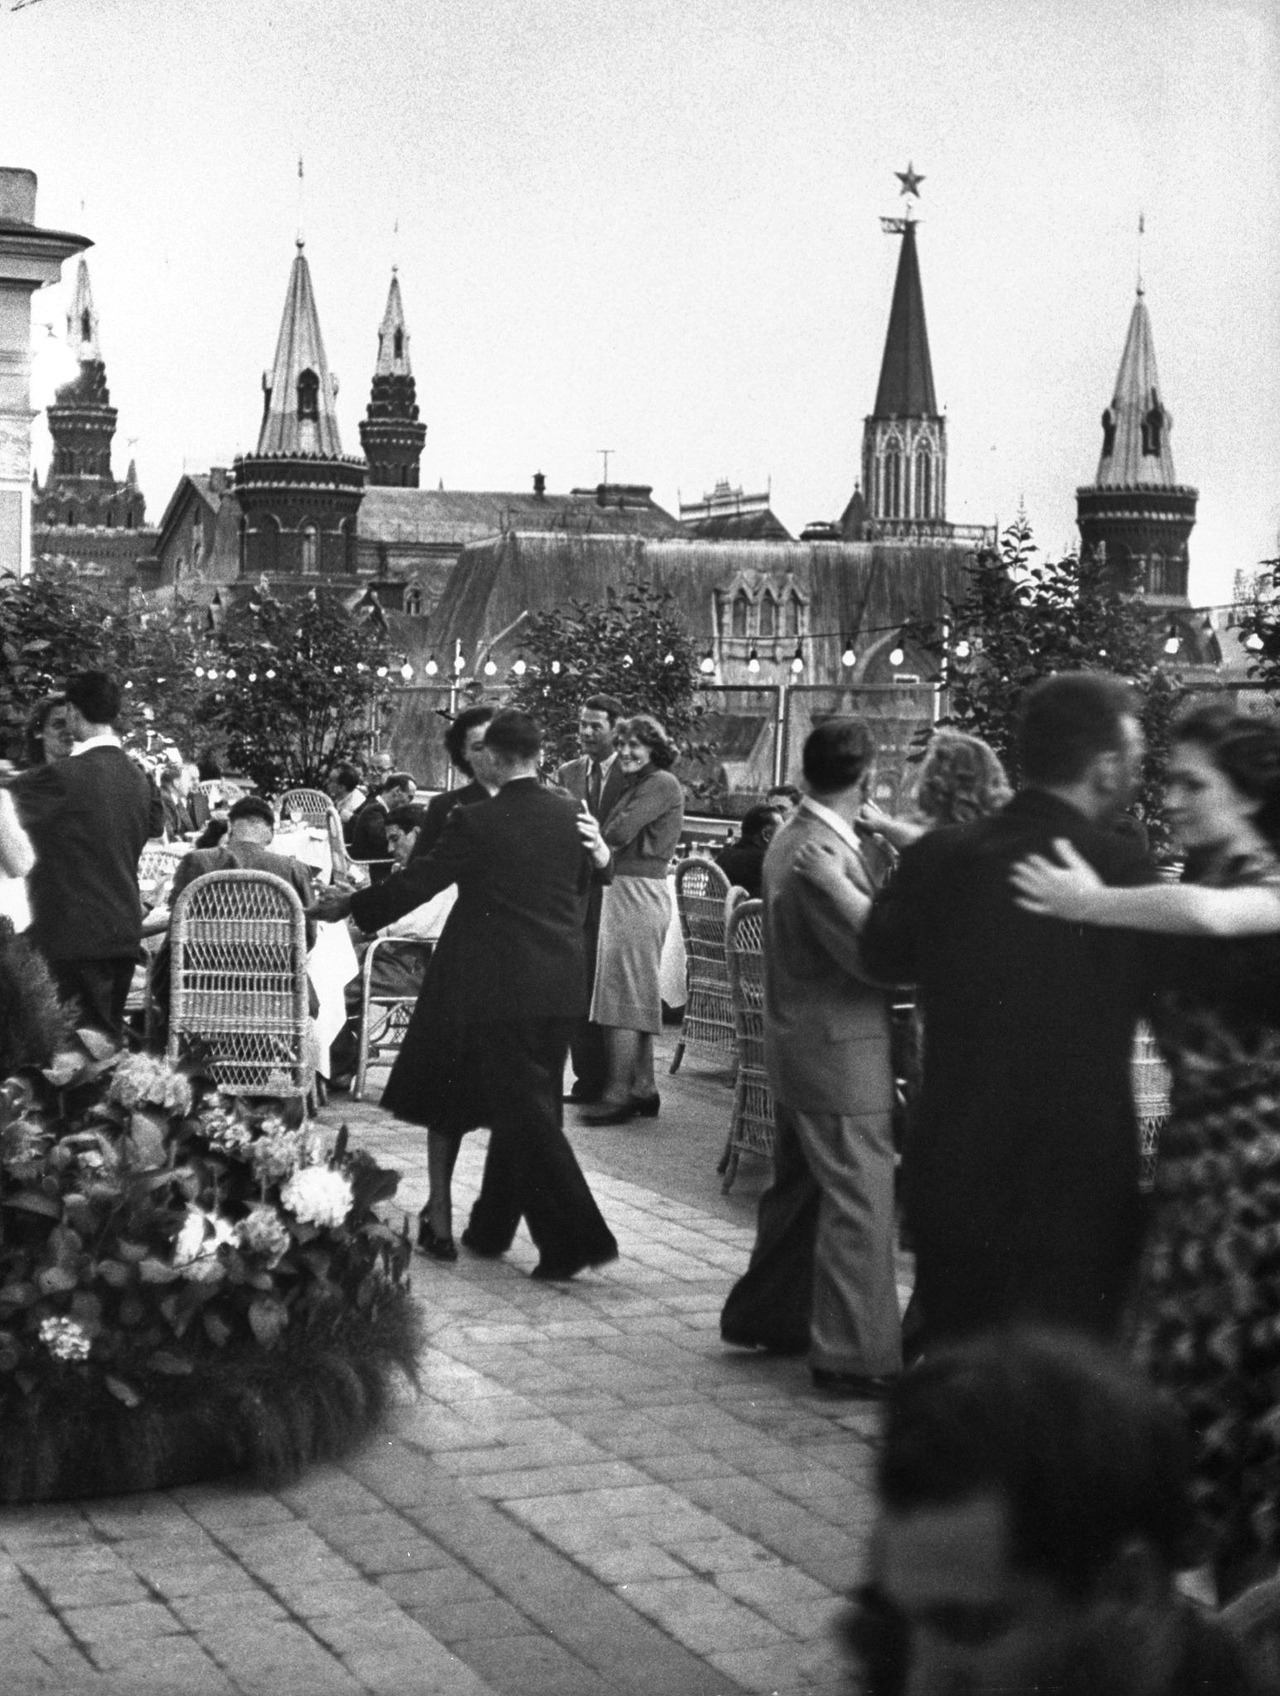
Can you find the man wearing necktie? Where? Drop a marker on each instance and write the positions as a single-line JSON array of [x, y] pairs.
[[595, 782]]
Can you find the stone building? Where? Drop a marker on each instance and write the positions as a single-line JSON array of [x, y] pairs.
[[82, 515]]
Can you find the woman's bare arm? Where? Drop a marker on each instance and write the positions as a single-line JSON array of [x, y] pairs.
[[1073, 891]]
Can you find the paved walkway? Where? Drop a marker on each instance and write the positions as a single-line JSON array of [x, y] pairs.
[[590, 1495]]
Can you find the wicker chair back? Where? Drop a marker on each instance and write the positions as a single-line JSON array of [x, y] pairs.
[[701, 892], [752, 1128]]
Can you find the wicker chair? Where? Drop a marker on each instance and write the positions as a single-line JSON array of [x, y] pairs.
[[751, 1129], [701, 892], [383, 1018], [238, 983], [313, 808], [1149, 1077]]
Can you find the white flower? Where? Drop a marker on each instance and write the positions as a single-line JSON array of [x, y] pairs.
[[225, 1129], [264, 1232], [140, 1078], [278, 1153], [64, 1339], [195, 1248], [318, 1196]]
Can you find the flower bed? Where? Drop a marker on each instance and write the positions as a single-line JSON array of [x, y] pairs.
[[189, 1286]]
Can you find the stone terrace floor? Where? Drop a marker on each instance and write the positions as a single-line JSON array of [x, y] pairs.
[[589, 1496]]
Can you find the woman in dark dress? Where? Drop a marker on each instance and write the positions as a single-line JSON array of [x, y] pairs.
[[1206, 1317]]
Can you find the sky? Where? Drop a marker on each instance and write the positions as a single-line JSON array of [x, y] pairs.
[[654, 228]]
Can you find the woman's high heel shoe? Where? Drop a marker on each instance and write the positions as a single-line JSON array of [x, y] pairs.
[[646, 1106], [439, 1248]]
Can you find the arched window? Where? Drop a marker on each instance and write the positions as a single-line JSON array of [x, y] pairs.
[[1108, 433], [1152, 427], [924, 484], [893, 484], [768, 614], [793, 615], [310, 551], [71, 515], [86, 326], [741, 614], [399, 344], [413, 601], [130, 518], [308, 394], [244, 543]]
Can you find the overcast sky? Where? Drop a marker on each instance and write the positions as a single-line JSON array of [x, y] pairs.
[[655, 228]]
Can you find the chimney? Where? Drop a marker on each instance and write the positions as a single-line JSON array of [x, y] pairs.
[[539, 486], [217, 479]]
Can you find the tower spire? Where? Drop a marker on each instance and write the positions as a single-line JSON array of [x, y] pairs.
[[390, 432], [82, 319], [298, 413]]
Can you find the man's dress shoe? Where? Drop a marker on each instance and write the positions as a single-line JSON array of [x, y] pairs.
[[486, 1251], [559, 1271]]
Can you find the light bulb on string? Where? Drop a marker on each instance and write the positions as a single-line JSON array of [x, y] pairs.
[[253, 677], [431, 667], [707, 664], [753, 662], [521, 666], [1172, 641], [668, 658], [199, 671], [555, 668], [963, 648], [270, 675], [1254, 643], [491, 667], [797, 660], [382, 671], [459, 665], [406, 671], [897, 653], [627, 662], [848, 657]]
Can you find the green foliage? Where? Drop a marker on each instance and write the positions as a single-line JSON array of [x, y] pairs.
[[295, 686], [50, 626], [1021, 618], [1259, 624], [633, 646]]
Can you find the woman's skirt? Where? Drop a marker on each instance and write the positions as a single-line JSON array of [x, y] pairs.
[[634, 918]]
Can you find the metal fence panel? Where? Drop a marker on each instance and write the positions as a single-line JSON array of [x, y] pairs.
[[896, 714]]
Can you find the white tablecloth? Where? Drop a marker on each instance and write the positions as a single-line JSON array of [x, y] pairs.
[[331, 965], [671, 972], [308, 844]]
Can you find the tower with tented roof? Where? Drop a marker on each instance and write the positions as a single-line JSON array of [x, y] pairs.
[[390, 432], [298, 493], [1135, 509]]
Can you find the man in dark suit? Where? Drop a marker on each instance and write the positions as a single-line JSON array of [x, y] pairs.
[[1020, 1175], [88, 818], [464, 744], [594, 780], [742, 862], [247, 847], [368, 838], [510, 962]]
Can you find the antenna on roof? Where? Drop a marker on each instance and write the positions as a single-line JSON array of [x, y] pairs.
[[301, 220], [604, 453]]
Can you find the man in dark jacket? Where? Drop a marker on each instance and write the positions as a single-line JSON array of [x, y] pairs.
[[88, 818], [1020, 1175], [508, 981], [742, 862]]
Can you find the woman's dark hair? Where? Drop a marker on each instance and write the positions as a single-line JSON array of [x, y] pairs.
[[1246, 750], [33, 736], [961, 778], [455, 738], [646, 729], [837, 754]]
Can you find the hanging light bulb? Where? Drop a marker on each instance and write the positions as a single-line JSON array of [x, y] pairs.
[[1172, 641], [963, 648], [848, 657], [627, 662], [521, 666], [707, 664], [431, 667], [555, 668], [459, 665], [668, 658], [382, 671], [253, 677], [797, 660], [1254, 643], [897, 653], [199, 671], [211, 674], [270, 674], [406, 671], [491, 667], [753, 662]]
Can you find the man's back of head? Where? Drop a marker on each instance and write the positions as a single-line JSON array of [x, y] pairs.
[[514, 742], [1079, 732], [838, 754], [96, 698], [251, 820]]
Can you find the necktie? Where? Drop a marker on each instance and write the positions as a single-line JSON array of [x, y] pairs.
[[593, 789]]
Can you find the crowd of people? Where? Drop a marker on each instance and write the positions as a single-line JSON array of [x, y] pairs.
[[1031, 932]]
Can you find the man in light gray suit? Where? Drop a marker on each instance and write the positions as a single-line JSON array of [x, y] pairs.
[[822, 1271]]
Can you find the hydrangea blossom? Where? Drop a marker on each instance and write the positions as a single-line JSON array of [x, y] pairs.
[[226, 1129], [318, 1195], [195, 1248], [264, 1232], [64, 1339], [143, 1080], [278, 1152]]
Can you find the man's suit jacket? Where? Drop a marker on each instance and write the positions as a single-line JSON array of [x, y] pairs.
[[573, 777], [246, 857], [826, 1028], [439, 807], [368, 839], [1025, 1111], [88, 818], [512, 948]]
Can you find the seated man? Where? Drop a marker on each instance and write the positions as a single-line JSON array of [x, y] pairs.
[[742, 862], [397, 972], [1033, 1503], [368, 839]]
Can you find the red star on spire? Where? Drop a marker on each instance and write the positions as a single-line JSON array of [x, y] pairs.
[[910, 180]]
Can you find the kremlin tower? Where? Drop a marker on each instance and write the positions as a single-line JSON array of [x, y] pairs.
[[390, 433], [298, 494]]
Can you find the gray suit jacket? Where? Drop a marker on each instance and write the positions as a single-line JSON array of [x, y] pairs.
[[573, 777], [826, 1028]]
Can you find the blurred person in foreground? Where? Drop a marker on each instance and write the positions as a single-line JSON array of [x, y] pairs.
[[642, 829], [1020, 1171], [595, 780], [1206, 1318], [48, 737], [490, 1032], [822, 1271], [1033, 1511], [89, 817]]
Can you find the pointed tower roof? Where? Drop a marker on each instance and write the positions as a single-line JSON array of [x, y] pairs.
[[82, 320], [298, 417], [906, 374], [393, 336], [1135, 427]]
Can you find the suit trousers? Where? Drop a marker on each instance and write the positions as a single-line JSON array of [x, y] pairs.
[[530, 1169], [855, 1326], [586, 1042], [99, 987], [771, 1305]]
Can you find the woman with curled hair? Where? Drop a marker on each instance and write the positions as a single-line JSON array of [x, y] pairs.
[[961, 778], [1206, 1319], [642, 830]]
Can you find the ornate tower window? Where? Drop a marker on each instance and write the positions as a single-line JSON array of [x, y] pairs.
[[1108, 433], [793, 615], [399, 344], [1152, 426], [893, 483], [740, 616], [768, 614], [86, 326], [310, 548], [924, 483], [308, 395]]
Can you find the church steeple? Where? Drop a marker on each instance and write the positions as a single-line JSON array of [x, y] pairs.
[[82, 320], [82, 423], [298, 415], [298, 494], [390, 432], [904, 441], [1135, 509]]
